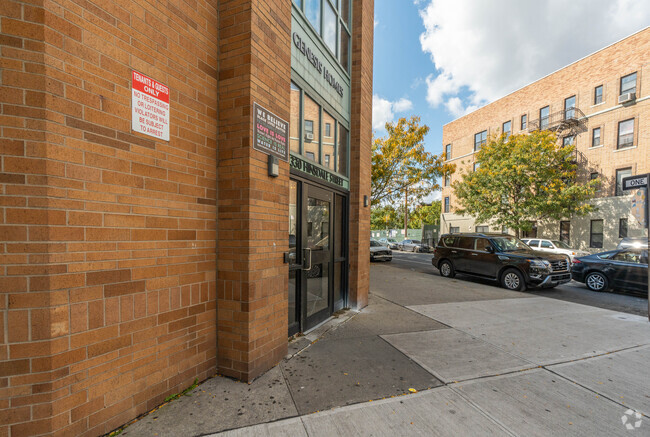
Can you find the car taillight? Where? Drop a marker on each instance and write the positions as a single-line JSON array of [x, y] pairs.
[[576, 261]]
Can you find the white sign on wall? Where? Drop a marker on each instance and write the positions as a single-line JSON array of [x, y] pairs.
[[149, 107]]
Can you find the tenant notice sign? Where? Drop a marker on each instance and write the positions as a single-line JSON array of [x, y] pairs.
[[149, 107], [270, 133]]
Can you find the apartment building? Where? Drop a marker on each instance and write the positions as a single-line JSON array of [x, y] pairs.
[[600, 103]]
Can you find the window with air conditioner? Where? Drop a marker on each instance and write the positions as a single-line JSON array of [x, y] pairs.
[[628, 84]]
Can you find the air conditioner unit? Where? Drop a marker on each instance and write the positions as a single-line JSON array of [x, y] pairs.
[[627, 97], [309, 136]]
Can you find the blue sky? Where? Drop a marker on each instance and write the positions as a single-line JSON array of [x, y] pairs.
[[440, 59]]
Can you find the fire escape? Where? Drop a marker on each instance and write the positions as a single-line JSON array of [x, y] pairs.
[[566, 124]]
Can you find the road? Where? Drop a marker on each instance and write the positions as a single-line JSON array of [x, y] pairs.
[[572, 292]]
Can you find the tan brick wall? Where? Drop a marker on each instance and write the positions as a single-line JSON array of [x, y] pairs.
[[606, 68], [254, 45], [107, 238], [360, 150]]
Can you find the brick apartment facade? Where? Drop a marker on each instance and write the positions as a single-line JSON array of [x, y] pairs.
[[595, 82], [132, 266]]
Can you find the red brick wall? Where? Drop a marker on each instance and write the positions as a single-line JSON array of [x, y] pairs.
[[107, 238], [252, 283], [360, 150]]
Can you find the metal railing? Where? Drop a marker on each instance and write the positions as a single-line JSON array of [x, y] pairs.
[[558, 121]]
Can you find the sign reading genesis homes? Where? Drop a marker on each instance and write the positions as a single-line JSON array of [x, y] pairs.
[[317, 63], [270, 133], [149, 107], [317, 171]]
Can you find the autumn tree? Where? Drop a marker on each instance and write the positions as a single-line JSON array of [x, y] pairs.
[[523, 178], [401, 165], [384, 217], [425, 215]]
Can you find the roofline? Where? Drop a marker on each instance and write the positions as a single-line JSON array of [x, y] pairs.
[[550, 74]]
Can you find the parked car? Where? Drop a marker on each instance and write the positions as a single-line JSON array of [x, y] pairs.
[[379, 252], [554, 246], [500, 257], [620, 269], [390, 243], [638, 243], [413, 246]]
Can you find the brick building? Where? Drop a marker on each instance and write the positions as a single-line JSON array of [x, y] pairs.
[[133, 263], [601, 103]]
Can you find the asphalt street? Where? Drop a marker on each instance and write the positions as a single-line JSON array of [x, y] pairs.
[[572, 292]]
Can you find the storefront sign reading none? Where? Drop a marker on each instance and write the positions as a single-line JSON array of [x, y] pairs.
[[149, 107], [270, 133]]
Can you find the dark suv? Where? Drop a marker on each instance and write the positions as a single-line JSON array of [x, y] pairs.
[[501, 257]]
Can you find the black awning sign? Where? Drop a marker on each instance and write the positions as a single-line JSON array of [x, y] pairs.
[[634, 182], [270, 133]]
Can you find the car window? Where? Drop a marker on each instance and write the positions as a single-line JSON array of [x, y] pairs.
[[508, 243], [546, 245], [466, 243], [448, 241], [533, 243], [644, 257], [561, 244], [630, 256], [481, 244], [374, 243], [415, 241]]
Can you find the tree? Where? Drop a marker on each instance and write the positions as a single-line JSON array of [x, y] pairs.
[[401, 165], [523, 178], [384, 217], [425, 214]]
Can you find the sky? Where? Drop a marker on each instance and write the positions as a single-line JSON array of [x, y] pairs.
[[441, 59]]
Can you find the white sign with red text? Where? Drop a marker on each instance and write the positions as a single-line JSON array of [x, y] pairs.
[[149, 107]]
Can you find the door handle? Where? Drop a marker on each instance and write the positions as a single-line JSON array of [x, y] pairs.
[[475, 254], [306, 256], [454, 251]]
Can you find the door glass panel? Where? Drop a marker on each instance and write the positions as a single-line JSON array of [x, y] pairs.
[[481, 244], [338, 281], [318, 224], [293, 222], [339, 238]]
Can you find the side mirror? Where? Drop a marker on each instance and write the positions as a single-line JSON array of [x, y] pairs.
[[489, 249]]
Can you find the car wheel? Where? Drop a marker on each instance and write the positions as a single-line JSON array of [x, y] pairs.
[[415, 249], [446, 269], [513, 279], [596, 281]]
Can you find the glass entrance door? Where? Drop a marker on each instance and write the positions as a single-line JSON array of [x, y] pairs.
[[316, 230], [317, 254]]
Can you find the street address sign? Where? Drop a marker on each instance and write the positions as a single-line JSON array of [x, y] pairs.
[[633, 182]]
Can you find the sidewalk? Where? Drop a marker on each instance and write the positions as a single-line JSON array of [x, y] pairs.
[[443, 357]]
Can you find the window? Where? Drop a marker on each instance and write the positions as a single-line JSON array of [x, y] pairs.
[[294, 122], [330, 21], [533, 231], [598, 94], [447, 204], [328, 147], [543, 117], [454, 229], [327, 161], [595, 175], [448, 152], [625, 133], [546, 245], [596, 234], [479, 140], [524, 121], [310, 155], [569, 107], [565, 229], [620, 174], [466, 243], [476, 165], [595, 137], [628, 84], [342, 151], [447, 180], [631, 256], [533, 243], [328, 130], [622, 228], [507, 127], [568, 141], [482, 244], [482, 229], [312, 11]]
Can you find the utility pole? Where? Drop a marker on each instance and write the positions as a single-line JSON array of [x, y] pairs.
[[406, 212]]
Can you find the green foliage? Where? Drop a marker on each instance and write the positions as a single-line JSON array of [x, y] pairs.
[[400, 163], [425, 214], [521, 179]]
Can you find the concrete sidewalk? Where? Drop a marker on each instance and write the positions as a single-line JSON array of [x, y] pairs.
[[453, 358]]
